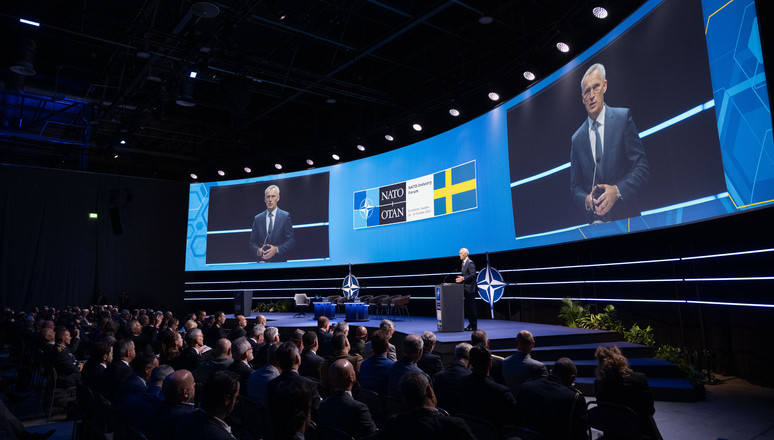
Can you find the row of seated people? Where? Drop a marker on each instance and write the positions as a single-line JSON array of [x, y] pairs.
[[476, 384]]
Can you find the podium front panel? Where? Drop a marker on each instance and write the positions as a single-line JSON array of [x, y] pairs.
[[449, 307]]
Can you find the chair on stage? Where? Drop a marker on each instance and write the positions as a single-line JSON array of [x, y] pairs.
[[614, 420], [399, 307], [302, 303]]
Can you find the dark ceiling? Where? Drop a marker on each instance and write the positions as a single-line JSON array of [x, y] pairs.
[[278, 81]]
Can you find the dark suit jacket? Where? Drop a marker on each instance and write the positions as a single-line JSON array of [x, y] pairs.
[[485, 398], [469, 274], [244, 372], [91, 371], [545, 405], [65, 365], [424, 424], [324, 343], [396, 372], [281, 235], [134, 384], [519, 368], [109, 381], [430, 363], [164, 422], [189, 359], [375, 373], [290, 375], [623, 163], [447, 386], [236, 333], [311, 365], [198, 425], [341, 411]]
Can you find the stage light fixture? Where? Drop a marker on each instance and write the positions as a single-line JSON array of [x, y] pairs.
[[248, 170], [123, 142], [194, 176], [360, 147], [29, 22], [485, 19], [221, 173], [309, 162], [494, 96], [278, 166], [563, 47], [599, 12], [335, 156], [529, 76], [25, 58], [193, 74], [389, 137], [115, 156], [454, 112], [416, 127]]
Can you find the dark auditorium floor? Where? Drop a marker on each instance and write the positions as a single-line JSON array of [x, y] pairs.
[[734, 410]]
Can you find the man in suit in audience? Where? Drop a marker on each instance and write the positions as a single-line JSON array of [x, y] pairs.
[[219, 395], [389, 328], [216, 332], [340, 345], [447, 383], [375, 370], [179, 390], [141, 407], [520, 367], [482, 397], [220, 360], [239, 329], [259, 380], [412, 351], [548, 405], [191, 357], [422, 421], [256, 339], [429, 363], [357, 341], [68, 369], [311, 363], [340, 410], [289, 359], [142, 366], [270, 337], [118, 371], [479, 337], [324, 335], [101, 354], [242, 354]]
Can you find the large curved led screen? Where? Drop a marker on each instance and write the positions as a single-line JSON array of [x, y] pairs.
[[682, 133]]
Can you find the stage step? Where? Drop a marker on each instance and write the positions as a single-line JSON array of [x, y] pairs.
[[586, 351], [663, 389], [651, 367]]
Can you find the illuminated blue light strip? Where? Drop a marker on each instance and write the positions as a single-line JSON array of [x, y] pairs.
[[555, 231], [732, 279], [685, 115], [235, 231], [29, 22], [718, 303], [686, 204], [730, 254], [541, 175], [579, 266]]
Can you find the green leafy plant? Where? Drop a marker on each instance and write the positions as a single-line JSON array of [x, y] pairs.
[[639, 335], [680, 358], [573, 313], [268, 307]]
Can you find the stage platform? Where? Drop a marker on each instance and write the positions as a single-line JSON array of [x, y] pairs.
[[551, 343]]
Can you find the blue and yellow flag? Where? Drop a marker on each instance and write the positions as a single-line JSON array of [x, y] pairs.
[[454, 189]]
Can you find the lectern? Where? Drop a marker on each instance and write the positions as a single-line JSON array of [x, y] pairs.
[[243, 302], [449, 307]]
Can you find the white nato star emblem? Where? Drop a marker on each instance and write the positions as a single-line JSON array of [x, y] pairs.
[[490, 285], [366, 208], [350, 286]]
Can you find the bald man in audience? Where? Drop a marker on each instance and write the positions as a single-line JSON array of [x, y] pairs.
[[179, 390], [412, 351], [239, 329], [340, 410], [520, 367], [220, 360]]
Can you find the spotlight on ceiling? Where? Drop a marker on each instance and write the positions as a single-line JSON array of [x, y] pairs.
[[309, 162], [360, 147], [485, 19], [123, 142], [115, 156], [193, 74], [221, 173], [248, 170], [529, 76], [23, 64], [335, 156], [389, 137], [416, 127], [185, 93], [599, 12], [494, 96], [205, 9], [563, 47], [194, 176], [278, 166], [454, 112]]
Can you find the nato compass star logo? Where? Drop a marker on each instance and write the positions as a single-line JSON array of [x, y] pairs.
[[366, 208], [351, 287], [490, 285]]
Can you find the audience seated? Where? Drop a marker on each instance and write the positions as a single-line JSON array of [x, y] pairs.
[[117, 371], [447, 382], [179, 391], [68, 369], [479, 337], [389, 328], [142, 407], [324, 335], [412, 351], [429, 363], [270, 337], [311, 363], [219, 395], [422, 421], [242, 354], [357, 341], [239, 328], [256, 338], [340, 410], [100, 355], [260, 378], [520, 367], [288, 360], [220, 359], [216, 332], [375, 370], [191, 357], [482, 397], [142, 366], [340, 345], [547, 405]]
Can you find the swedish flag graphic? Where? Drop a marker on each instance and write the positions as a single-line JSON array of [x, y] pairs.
[[454, 189]]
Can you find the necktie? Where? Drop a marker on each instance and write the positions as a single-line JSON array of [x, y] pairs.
[[271, 223], [598, 143]]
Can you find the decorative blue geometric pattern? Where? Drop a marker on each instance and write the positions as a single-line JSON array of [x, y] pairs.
[[491, 285], [350, 287]]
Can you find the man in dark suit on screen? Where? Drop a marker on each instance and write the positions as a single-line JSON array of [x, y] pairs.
[[608, 165], [272, 237], [468, 280]]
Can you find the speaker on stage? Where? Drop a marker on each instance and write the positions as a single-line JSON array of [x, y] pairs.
[[449, 307], [243, 302]]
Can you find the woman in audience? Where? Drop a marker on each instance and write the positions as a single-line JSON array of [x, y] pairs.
[[170, 349], [617, 383]]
